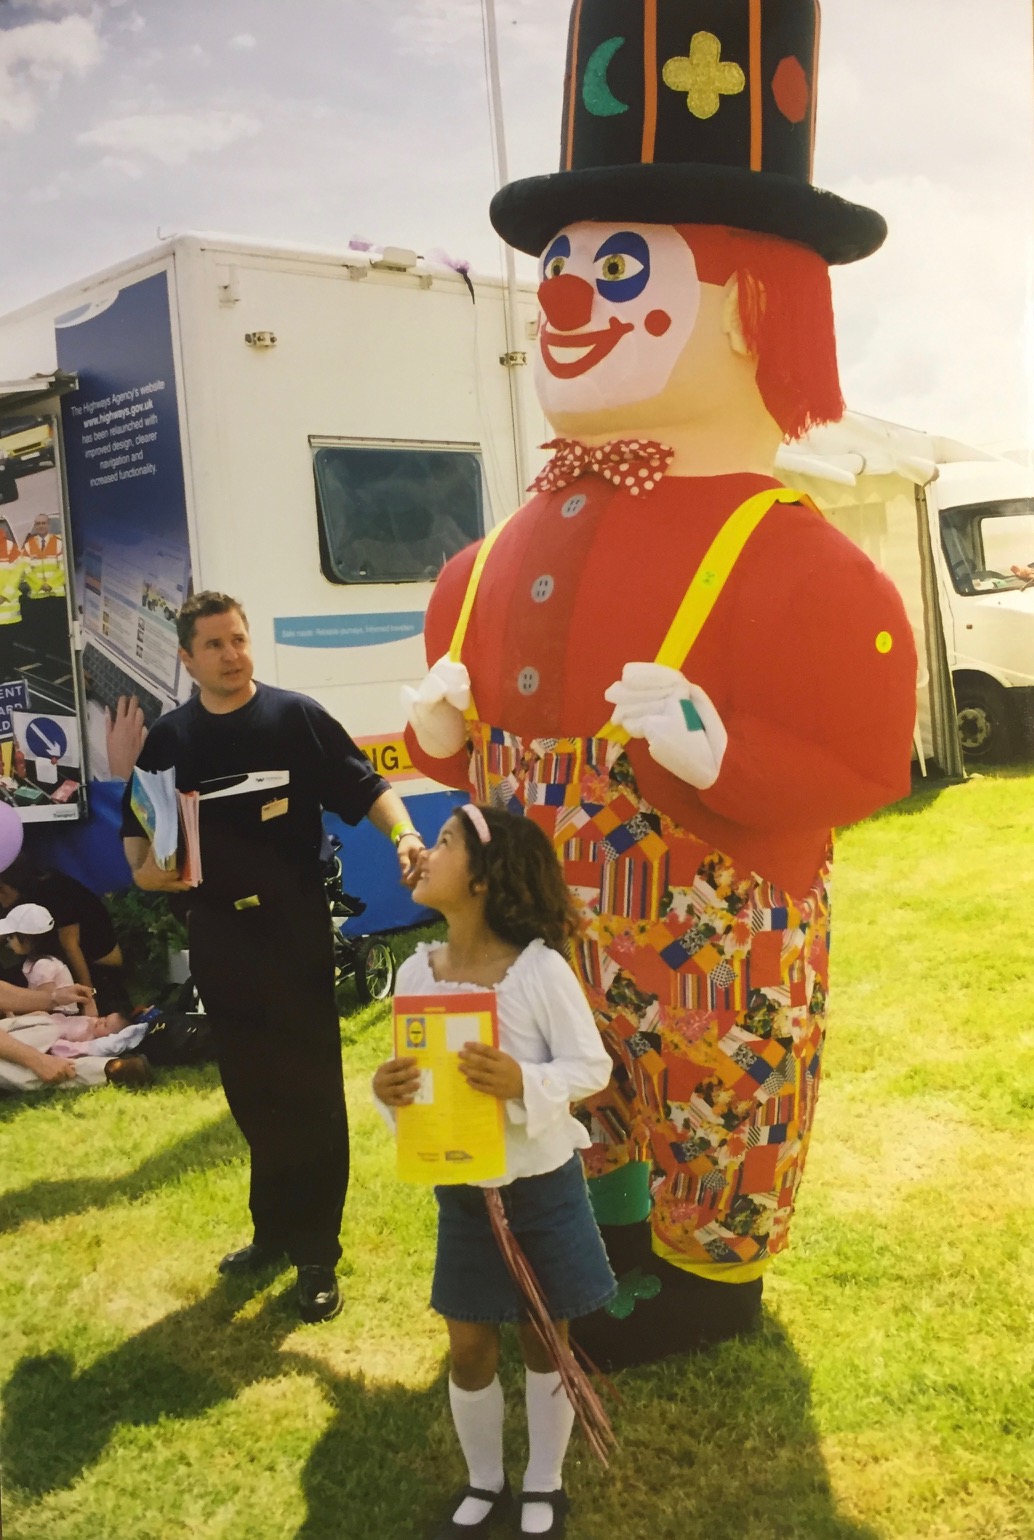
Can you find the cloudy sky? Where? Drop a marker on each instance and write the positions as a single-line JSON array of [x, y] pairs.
[[314, 121]]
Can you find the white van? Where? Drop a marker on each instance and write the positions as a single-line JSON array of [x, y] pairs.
[[985, 518]]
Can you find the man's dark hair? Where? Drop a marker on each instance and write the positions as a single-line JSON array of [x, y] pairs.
[[199, 607]]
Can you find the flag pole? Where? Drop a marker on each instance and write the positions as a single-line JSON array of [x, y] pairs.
[[516, 341]]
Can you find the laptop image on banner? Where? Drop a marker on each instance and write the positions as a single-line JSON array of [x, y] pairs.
[[130, 603]]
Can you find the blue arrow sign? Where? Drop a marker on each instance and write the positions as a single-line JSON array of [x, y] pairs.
[[45, 739]]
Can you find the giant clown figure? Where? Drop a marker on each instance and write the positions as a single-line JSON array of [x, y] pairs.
[[668, 660]]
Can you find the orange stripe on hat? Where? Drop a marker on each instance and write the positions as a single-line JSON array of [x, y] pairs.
[[814, 83], [757, 89], [649, 80], [572, 103]]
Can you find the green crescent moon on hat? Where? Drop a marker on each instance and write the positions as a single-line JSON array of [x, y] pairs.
[[690, 112], [599, 99]]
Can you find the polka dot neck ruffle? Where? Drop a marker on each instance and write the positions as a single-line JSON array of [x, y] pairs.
[[635, 465]]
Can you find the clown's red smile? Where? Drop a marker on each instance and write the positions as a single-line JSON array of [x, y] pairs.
[[589, 348]]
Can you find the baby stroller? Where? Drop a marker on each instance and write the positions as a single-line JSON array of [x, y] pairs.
[[367, 959]]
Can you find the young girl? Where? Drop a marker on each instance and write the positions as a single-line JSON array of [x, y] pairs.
[[30, 933], [495, 879], [29, 929]]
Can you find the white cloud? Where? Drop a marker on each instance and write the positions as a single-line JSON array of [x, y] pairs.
[[438, 26], [172, 138], [109, 176], [243, 41], [933, 330], [120, 167], [35, 58], [446, 26], [48, 5]]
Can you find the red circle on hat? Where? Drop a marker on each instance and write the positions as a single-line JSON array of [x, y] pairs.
[[791, 90]]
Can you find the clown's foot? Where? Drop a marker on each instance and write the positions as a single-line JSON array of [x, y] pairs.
[[660, 1310]]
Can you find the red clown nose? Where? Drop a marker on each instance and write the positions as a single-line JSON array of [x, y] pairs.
[[567, 302]]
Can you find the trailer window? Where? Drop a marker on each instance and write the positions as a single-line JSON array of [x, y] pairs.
[[395, 515], [983, 543]]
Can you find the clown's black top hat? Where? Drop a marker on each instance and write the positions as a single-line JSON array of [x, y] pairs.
[[690, 112]]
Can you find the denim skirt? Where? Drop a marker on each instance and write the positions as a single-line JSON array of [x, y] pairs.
[[551, 1218]]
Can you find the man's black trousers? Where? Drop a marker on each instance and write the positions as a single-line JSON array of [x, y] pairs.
[[266, 978]]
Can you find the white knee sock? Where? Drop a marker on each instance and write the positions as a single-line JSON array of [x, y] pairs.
[[478, 1415], [550, 1420]]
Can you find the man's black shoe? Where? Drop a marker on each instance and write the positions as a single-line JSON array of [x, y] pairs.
[[252, 1258], [319, 1298]]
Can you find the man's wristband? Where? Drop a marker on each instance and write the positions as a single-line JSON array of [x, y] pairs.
[[400, 831]]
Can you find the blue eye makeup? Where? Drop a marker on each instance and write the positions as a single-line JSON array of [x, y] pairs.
[[556, 258], [622, 266]]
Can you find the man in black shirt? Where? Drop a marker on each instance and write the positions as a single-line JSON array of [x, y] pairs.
[[267, 762]]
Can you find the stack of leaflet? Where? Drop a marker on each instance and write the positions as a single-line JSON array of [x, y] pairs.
[[170, 820]]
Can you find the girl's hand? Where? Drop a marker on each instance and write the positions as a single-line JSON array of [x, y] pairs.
[[492, 1071], [397, 1082]]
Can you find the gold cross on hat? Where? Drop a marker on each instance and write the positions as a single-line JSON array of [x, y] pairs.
[[704, 76]]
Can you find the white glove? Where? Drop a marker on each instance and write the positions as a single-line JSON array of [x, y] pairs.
[[435, 708], [683, 731]]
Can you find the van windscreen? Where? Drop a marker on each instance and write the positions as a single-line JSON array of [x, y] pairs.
[[984, 543]]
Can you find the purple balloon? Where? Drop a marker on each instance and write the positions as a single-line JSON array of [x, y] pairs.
[[12, 832]]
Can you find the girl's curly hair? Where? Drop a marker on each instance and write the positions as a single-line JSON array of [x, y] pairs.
[[527, 897]]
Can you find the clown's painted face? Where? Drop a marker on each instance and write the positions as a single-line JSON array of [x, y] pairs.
[[619, 303]]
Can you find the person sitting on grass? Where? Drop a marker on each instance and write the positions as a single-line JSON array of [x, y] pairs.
[[30, 933], [27, 1042], [495, 879], [27, 1063], [83, 925]]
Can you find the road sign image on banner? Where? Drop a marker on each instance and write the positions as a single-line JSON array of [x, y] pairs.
[[39, 733], [45, 764]]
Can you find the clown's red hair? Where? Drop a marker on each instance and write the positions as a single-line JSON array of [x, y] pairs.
[[786, 311]]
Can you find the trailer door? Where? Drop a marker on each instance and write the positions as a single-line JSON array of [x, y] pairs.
[[41, 715]]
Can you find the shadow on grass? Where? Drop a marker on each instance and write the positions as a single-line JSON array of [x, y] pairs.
[[212, 1145], [925, 792], [723, 1443], [57, 1422]]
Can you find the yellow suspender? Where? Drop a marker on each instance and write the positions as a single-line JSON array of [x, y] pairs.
[[459, 636], [701, 596], [710, 578]]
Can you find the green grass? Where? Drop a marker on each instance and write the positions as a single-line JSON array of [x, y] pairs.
[[887, 1398]]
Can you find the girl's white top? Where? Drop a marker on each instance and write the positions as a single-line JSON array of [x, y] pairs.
[[41, 971], [546, 1025]]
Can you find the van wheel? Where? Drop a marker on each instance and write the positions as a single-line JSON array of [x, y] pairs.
[[985, 720], [375, 969]]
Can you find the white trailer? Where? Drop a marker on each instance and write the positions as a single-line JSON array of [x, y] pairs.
[[315, 432]]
